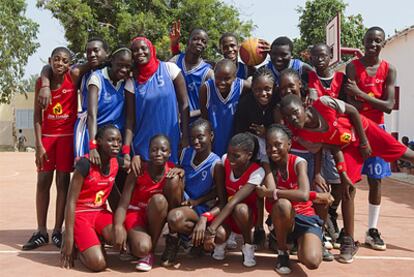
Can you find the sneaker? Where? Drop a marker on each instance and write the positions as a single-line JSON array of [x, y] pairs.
[[57, 239], [283, 263], [126, 255], [219, 252], [231, 242], [327, 242], [36, 241], [248, 255], [337, 243], [348, 250], [172, 245], [327, 256], [145, 264], [373, 239]]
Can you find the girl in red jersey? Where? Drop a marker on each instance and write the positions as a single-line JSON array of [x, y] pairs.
[[288, 200], [333, 123], [145, 202], [86, 215], [54, 145], [242, 176]]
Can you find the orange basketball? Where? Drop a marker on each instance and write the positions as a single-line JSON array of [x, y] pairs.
[[250, 52]]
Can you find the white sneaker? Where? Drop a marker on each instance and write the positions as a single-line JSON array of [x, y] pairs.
[[231, 241], [219, 252], [248, 255]]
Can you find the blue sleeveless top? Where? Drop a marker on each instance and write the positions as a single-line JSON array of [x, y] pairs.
[[295, 64]]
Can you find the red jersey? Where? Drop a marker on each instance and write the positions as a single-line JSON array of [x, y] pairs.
[[145, 187], [291, 182], [97, 187], [334, 89], [60, 116], [232, 187], [373, 86]]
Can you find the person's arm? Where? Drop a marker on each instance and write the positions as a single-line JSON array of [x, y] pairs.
[[45, 94], [68, 241], [129, 127], [203, 101], [342, 171], [92, 121], [319, 181], [175, 35], [306, 68], [386, 102], [41, 154], [209, 75], [77, 71], [250, 71], [120, 213], [183, 107]]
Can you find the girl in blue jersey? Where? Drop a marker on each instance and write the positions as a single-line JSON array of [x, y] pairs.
[[218, 102], [204, 181], [157, 103], [194, 69]]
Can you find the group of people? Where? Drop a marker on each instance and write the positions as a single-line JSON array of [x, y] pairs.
[[206, 150]]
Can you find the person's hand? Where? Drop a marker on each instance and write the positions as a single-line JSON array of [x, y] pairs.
[[44, 98], [365, 150], [119, 238], [189, 203], [351, 88], [259, 237], [40, 157], [175, 34], [199, 231], [264, 46], [127, 162], [176, 171], [94, 157], [262, 191], [136, 165], [67, 255], [320, 182], [209, 240], [312, 97], [346, 186], [323, 198], [258, 130]]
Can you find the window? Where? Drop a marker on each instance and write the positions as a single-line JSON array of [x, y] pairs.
[[24, 119]]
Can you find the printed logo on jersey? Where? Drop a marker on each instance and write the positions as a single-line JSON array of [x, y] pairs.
[[346, 137], [98, 198], [204, 175], [107, 97], [160, 81], [371, 94], [57, 109]]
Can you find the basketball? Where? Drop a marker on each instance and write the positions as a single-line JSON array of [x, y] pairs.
[[250, 52]]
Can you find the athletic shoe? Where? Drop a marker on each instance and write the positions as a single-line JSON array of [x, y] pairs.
[[219, 252], [272, 242], [57, 239], [293, 248], [231, 242], [348, 250], [145, 264], [283, 263], [327, 256], [248, 255], [36, 241], [172, 245], [337, 243], [126, 255], [327, 242], [374, 240]]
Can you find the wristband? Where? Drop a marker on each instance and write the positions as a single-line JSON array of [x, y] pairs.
[[208, 215], [92, 144], [312, 195], [126, 149], [341, 167], [275, 197]]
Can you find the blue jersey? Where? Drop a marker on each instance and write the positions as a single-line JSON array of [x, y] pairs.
[[110, 111], [194, 78], [221, 113], [156, 112], [84, 90], [198, 178], [242, 71], [294, 64]]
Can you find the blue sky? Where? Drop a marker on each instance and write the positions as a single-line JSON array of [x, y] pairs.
[[273, 18]]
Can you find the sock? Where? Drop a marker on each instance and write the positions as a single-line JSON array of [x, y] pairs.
[[373, 215]]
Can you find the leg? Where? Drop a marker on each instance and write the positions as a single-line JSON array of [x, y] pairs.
[[310, 250], [44, 182], [93, 258], [182, 220], [408, 156], [283, 217], [243, 217], [348, 212], [156, 214], [139, 241], [173, 191], [62, 185], [116, 192]]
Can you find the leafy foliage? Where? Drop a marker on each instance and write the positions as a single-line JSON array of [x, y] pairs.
[[17, 43], [118, 21]]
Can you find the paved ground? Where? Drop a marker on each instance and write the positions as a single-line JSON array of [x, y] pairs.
[[17, 220]]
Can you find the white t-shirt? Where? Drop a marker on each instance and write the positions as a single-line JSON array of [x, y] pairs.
[[96, 81], [334, 103], [255, 178]]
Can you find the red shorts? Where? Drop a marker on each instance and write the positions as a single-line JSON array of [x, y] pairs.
[[88, 225], [232, 223], [135, 218], [383, 145], [59, 151]]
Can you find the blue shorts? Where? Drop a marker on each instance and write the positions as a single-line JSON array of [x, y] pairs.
[[329, 171], [310, 158], [306, 224], [376, 167]]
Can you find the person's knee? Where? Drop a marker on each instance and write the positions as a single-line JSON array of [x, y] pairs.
[[173, 185], [158, 203], [312, 262], [241, 212], [141, 248], [95, 262], [221, 235], [282, 208], [175, 220]]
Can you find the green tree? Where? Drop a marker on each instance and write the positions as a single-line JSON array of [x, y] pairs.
[[117, 21], [17, 43], [314, 17]]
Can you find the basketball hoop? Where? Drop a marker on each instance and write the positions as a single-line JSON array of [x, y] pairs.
[[333, 38]]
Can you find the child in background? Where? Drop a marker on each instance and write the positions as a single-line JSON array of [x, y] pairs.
[[87, 218], [218, 102], [54, 145], [242, 176]]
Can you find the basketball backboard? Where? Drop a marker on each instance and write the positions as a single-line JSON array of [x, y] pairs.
[[333, 38]]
